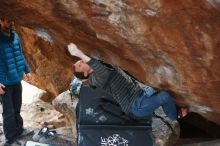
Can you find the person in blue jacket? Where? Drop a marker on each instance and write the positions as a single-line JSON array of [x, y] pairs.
[[13, 65]]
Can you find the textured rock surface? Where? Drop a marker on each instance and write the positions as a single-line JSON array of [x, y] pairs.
[[167, 44], [66, 105]]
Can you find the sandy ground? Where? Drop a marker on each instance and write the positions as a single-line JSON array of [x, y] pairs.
[[37, 115]]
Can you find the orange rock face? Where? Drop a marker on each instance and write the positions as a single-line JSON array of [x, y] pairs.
[[173, 45]]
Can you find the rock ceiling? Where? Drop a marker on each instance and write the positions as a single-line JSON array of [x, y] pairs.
[[168, 44]]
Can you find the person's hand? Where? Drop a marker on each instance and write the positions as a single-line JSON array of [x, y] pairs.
[[1, 89], [28, 77], [74, 51]]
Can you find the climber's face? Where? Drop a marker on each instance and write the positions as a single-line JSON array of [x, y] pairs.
[[81, 67]]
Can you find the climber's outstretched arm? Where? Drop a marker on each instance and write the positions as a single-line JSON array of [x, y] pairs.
[[74, 51]]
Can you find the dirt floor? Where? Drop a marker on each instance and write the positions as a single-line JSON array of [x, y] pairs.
[[39, 114]]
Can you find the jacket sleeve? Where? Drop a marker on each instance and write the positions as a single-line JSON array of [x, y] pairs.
[[2, 71], [27, 68]]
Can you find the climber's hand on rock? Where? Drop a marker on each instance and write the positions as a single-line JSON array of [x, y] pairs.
[[74, 51]]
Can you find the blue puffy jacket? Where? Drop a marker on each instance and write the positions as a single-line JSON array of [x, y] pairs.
[[12, 61]]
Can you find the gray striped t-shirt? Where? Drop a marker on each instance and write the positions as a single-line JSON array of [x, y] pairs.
[[120, 85]]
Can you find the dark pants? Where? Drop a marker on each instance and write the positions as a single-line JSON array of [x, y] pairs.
[[11, 102]]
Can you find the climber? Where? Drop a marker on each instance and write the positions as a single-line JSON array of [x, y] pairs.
[[134, 100]]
